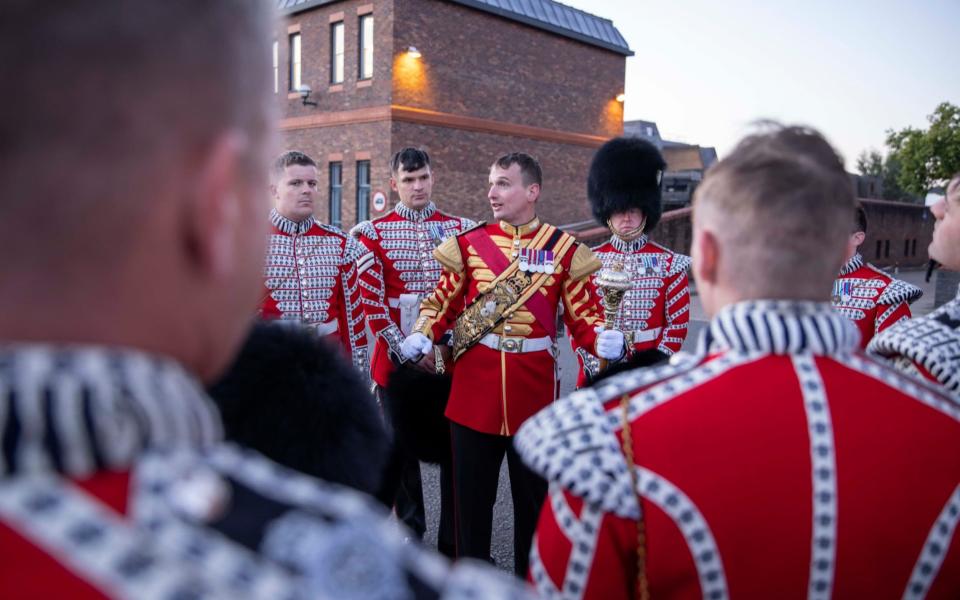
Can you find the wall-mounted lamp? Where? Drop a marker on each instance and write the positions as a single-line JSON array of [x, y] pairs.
[[621, 97], [305, 95], [412, 52]]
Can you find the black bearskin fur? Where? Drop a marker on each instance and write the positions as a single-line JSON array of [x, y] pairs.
[[646, 358], [625, 173], [415, 401], [296, 399]]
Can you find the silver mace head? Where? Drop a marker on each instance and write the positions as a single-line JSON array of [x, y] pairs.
[[614, 282], [614, 279]]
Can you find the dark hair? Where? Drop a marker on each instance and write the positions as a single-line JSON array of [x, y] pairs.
[[529, 167], [294, 398], [292, 157], [411, 159], [860, 219]]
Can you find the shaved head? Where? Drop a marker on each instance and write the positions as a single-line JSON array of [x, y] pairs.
[[135, 145], [779, 209], [112, 98]]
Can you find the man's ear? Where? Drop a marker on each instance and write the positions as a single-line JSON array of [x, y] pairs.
[[533, 191], [213, 211], [393, 184], [706, 256], [858, 238]]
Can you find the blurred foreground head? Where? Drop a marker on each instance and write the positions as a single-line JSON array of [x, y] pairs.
[[772, 220], [945, 246], [134, 153]]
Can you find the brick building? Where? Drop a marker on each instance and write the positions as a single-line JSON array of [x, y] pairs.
[[898, 233], [486, 77]]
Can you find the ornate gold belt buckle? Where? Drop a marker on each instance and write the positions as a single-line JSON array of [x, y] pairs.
[[510, 345]]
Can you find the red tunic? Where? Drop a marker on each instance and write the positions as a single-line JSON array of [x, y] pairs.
[[311, 277], [654, 313], [402, 271], [494, 391], [115, 482], [871, 298], [778, 462]]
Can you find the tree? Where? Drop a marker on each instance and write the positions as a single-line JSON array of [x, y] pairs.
[[873, 164], [927, 158]]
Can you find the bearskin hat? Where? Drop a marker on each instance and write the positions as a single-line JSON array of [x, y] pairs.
[[625, 173], [415, 402], [295, 398]]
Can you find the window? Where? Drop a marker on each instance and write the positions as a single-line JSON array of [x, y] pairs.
[[906, 247], [295, 62], [276, 66], [363, 190], [366, 47], [878, 248], [886, 249], [336, 52], [336, 193]]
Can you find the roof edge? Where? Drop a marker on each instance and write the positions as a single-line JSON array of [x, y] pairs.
[[535, 23]]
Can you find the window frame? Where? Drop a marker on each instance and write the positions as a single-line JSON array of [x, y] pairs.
[[335, 193], [363, 191], [337, 59], [296, 61], [363, 63]]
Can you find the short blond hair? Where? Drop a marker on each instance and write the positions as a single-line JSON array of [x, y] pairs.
[[780, 205]]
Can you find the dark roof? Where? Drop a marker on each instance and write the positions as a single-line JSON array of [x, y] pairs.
[[557, 18], [543, 14]]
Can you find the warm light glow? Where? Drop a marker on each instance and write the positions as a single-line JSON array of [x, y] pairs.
[[412, 52], [621, 97]]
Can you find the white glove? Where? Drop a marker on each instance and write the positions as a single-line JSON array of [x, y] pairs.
[[610, 344], [415, 346]]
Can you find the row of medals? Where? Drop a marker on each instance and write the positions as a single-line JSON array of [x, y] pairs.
[[535, 261]]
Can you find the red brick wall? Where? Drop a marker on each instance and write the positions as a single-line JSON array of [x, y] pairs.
[[462, 160], [482, 65], [315, 56]]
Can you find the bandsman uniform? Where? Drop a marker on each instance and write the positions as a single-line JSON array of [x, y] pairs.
[[654, 312], [778, 461], [115, 483], [871, 298], [625, 176], [500, 290], [310, 277], [399, 271], [927, 347]]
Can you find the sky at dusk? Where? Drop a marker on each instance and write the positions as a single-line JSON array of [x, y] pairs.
[[704, 70]]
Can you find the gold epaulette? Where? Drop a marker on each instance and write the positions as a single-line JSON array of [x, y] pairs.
[[584, 262], [448, 253]]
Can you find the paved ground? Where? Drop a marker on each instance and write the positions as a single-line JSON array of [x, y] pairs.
[[502, 543]]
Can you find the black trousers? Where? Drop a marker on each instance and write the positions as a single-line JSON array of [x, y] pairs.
[[476, 471]]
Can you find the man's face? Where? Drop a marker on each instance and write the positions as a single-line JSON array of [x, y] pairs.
[[414, 187], [296, 191], [510, 199], [627, 222], [945, 247]]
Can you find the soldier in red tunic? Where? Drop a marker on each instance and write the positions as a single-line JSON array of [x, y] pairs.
[[865, 294], [624, 191], [124, 297], [310, 275], [394, 277], [500, 290], [930, 347], [778, 461]]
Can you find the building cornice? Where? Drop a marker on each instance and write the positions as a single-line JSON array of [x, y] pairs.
[[422, 116]]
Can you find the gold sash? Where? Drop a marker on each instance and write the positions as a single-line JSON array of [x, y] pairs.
[[507, 293]]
